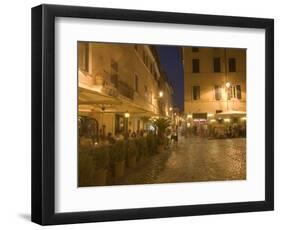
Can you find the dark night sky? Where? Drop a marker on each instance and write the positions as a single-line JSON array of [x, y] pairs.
[[171, 63]]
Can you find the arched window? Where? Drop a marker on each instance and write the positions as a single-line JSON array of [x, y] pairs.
[[88, 127]]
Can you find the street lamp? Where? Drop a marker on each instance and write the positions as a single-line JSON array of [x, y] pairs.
[[160, 94], [227, 84], [127, 115]]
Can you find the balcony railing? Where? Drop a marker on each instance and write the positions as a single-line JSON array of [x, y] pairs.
[[125, 90]]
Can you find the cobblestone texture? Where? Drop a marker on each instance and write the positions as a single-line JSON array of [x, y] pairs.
[[193, 159]]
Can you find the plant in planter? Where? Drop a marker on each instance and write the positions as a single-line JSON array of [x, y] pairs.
[[101, 158], [118, 155], [141, 144], [132, 154], [161, 124], [86, 168], [152, 143]]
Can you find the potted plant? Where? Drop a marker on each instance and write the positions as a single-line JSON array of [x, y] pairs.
[[142, 149], [132, 154], [101, 158], [86, 167], [152, 143], [161, 124], [118, 154]]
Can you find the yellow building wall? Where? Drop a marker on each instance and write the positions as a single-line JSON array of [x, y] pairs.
[[130, 63], [207, 79]]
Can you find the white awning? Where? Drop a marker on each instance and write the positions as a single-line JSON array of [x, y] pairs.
[[231, 113]]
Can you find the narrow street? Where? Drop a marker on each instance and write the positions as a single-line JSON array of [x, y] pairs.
[[193, 159]]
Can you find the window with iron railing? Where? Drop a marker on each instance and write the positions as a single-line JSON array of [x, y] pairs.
[[232, 65], [235, 92], [218, 93], [195, 66], [196, 92], [217, 64], [125, 90]]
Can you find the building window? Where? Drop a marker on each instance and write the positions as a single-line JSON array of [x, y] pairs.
[[114, 72], [146, 91], [195, 66], [238, 90], [218, 90], [196, 92], [195, 49], [232, 65], [155, 75], [136, 83], [83, 49], [217, 64], [235, 91]]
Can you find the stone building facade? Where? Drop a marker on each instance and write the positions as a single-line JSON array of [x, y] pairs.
[[121, 86], [214, 81]]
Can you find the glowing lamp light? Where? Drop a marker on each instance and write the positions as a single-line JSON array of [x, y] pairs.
[[226, 120], [188, 124], [227, 84], [160, 93], [243, 118], [127, 115], [189, 116], [210, 115], [170, 108], [213, 120]]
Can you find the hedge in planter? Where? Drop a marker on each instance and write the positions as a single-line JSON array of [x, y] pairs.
[[152, 143], [141, 144], [86, 168], [101, 158], [132, 154], [118, 155], [161, 124]]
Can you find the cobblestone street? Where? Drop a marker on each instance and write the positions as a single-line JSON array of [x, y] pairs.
[[193, 159]]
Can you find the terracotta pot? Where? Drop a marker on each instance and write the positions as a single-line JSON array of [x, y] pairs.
[[119, 168], [100, 177], [132, 161]]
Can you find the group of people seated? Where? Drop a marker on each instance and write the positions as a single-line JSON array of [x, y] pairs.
[[119, 136], [215, 131]]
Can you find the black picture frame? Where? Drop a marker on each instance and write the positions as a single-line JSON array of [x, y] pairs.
[[43, 110]]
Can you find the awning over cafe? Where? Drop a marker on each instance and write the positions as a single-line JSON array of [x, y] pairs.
[[231, 113], [100, 102]]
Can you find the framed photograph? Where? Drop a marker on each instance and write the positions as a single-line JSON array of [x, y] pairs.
[[142, 114]]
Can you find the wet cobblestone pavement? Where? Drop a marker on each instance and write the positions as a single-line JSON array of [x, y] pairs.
[[193, 159]]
